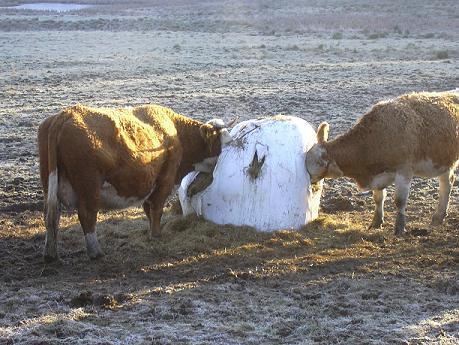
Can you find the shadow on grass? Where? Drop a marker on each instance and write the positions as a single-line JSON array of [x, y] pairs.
[[192, 251], [185, 242], [194, 258]]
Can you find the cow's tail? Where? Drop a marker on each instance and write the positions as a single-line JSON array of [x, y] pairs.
[[52, 202], [51, 174]]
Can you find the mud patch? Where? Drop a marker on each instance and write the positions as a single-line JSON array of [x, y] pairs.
[[111, 302]]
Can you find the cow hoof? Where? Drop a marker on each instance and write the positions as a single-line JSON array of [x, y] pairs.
[[437, 220], [154, 235], [49, 259], [96, 256], [399, 230], [93, 246], [376, 224], [399, 233], [400, 224]]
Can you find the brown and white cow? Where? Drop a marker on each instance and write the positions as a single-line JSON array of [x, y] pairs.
[[416, 134], [92, 159]]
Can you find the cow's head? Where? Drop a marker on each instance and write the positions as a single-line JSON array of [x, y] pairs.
[[215, 133], [318, 162]]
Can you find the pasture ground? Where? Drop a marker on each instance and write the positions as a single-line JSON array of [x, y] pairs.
[[333, 281]]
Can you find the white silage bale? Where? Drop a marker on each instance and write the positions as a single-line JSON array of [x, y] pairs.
[[260, 178]]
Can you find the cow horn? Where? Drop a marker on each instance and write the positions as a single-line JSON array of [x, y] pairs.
[[232, 122], [220, 124]]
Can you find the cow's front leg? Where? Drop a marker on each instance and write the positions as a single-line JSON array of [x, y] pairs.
[[88, 207], [146, 208], [379, 196], [446, 184], [165, 183], [402, 191]]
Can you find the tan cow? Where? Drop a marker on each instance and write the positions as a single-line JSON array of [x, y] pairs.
[[416, 134], [92, 159]]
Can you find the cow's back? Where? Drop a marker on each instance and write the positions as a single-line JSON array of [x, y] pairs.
[[127, 147], [112, 135], [438, 137], [417, 126]]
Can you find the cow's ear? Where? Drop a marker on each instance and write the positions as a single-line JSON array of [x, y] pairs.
[[322, 132], [207, 131]]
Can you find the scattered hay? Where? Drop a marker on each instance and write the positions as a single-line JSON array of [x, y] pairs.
[[192, 234], [174, 206]]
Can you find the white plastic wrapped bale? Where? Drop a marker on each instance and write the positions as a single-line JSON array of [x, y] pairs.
[[260, 178]]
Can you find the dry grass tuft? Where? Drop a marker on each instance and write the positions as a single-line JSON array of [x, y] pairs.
[[441, 55]]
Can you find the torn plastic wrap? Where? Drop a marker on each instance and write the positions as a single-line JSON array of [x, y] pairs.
[[260, 178]]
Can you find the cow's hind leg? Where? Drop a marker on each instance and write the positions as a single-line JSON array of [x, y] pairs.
[[402, 191], [379, 196], [88, 207], [165, 183], [52, 230], [446, 182], [88, 219]]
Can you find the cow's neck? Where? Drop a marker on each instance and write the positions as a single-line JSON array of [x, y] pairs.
[[346, 155], [194, 147]]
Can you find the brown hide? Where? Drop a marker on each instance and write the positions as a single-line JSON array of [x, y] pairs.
[[113, 158], [198, 142], [408, 129], [125, 147]]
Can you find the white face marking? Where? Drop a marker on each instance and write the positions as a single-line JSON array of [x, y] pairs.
[[110, 199], [315, 164], [427, 169], [218, 123], [381, 181], [225, 137]]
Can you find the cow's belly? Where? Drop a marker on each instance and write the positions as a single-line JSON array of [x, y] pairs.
[[424, 169], [428, 169], [66, 194], [382, 180], [110, 199]]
